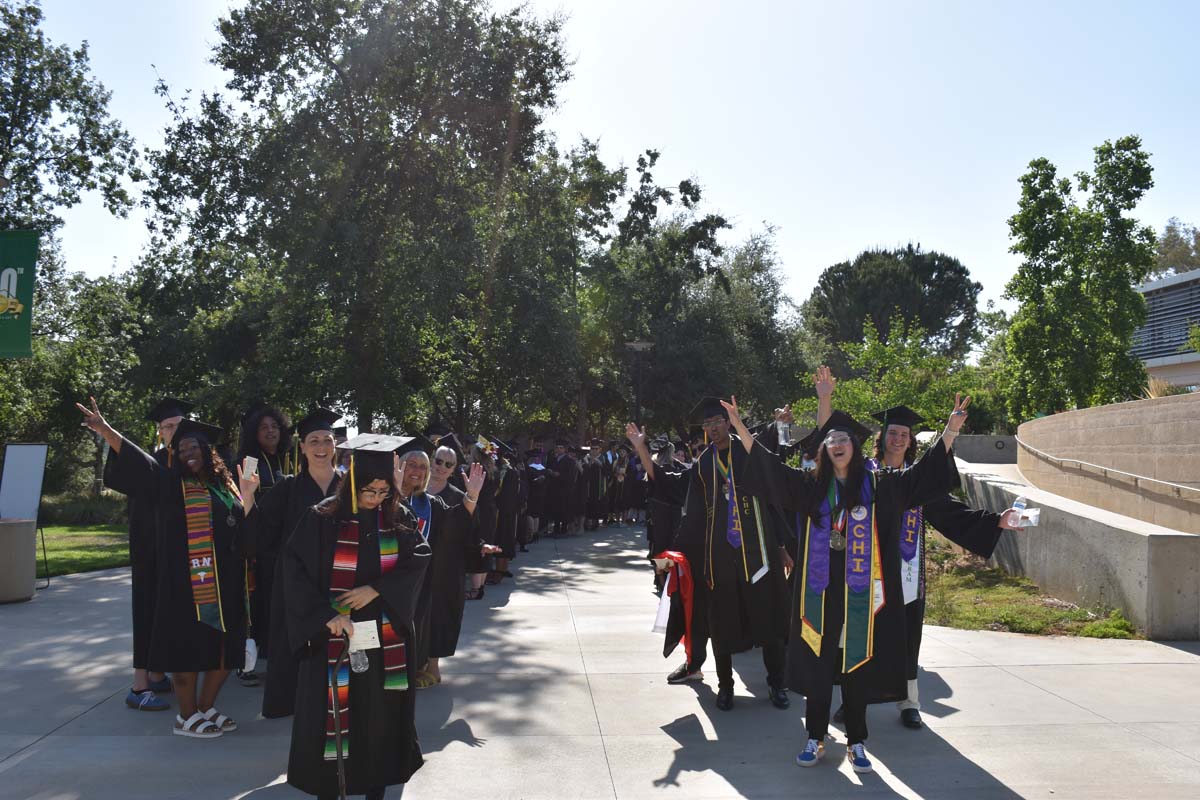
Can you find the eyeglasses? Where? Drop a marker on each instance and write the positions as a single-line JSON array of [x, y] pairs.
[[713, 422], [446, 464], [837, 439], [375, 492]]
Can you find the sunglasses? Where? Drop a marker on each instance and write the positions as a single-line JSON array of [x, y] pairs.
[[446, 464]]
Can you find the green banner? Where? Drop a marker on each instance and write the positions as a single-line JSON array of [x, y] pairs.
[[18, 262]]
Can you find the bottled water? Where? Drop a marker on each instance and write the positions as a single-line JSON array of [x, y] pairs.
[[358, 661], [1019, 506]]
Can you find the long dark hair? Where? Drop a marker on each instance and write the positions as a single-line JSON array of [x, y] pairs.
[[910, 455], [214, 466], [854, 478], [395, 515], [249, 445]]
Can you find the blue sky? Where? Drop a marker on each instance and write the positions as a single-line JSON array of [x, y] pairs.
[[844, 125]]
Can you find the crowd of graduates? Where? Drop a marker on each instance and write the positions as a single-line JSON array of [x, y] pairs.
[[347, 563]]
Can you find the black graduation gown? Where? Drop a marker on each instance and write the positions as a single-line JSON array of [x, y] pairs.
[[508, 506], [536, 506], [560, 489], [142, 528], [270, 474], [882, 679], [486, 518], [178, 641], [440, 605], [741, 614], [383, 737], [664, 508], [580, 492], [596, 487], [276, 514], [633, 488]]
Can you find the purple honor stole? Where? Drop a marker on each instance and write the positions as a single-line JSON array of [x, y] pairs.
[[741, 509], [912, 548], [863, 581]]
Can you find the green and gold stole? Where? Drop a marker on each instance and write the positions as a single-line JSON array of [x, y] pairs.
[[863, 578], [395, 653]]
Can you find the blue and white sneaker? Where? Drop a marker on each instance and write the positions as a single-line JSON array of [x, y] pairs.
[[856, 754], [146, 701], [813, 752]]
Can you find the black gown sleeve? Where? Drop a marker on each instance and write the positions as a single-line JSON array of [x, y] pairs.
[[973, 529], [264, 525], [306, 589], [784, 487], [133, 471], [690, 535], [927, 480], [399, 589]]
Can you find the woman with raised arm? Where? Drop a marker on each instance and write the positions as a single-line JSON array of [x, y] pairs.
[[275, 515], [200, 602], [848, 610]]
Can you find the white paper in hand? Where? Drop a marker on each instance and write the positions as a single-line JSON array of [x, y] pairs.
[[365, 636], [664, 606], [249, 466]]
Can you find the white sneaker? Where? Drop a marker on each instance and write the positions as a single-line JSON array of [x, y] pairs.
[[813, 752]]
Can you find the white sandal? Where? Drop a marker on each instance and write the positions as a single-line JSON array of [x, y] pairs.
[[196, 726], [223, 722]]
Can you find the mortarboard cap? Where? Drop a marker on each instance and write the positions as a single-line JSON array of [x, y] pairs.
[[341, 432], [695, 433], [809, 444], [202, 432], [169, 407], [436, 430], [502, 447], [371, 459], [451, 441], [899, 415], [707, 408], [414, 444], [561, 443], [321, 419], [841, 421]]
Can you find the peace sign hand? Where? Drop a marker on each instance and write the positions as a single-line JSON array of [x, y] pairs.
[[959, 416], [93, 419], [635, 436]]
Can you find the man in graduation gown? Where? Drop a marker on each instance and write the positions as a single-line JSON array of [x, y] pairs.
[[560, 487], [972, 529], [166, 415], [741, 558], [275, 515], [355, 559], [847, 624], [596, 483]]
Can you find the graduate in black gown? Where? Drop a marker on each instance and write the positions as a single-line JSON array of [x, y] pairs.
[[355, 559], [266, 434], [535, 472], [743, 557], [200, 601], [847, 626], [479, 566], [143, 695], [560, 487], [274, 515], [976, 530], [452, 536], [508, 509]]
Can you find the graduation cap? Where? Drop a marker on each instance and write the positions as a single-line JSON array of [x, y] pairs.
[[561, 443], [414, 444], [452, 441], [695, 433], [658, 443], [341, 432], [707, 408], [596, 442], [202, 432], [320, 420], [810, 443], [503, 448], [841, 421], [680, 445], [169, 407], [899, 415], [436, 430], [371, 459]]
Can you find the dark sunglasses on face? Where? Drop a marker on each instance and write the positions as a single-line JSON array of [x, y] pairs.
[[446, 464]]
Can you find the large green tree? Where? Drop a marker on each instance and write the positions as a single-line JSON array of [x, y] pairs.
[[1082, 255], [926, 289], [1178, 248]]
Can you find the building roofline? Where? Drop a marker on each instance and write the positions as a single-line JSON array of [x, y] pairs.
[[1170, 280]]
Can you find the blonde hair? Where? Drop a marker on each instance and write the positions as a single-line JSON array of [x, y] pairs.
[[421, 454]]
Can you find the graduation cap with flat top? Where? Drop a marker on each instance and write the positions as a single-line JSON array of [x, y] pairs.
[[202, 432], [899, 415], [708, 408], [321, 419], [841, 421], [169, 407]]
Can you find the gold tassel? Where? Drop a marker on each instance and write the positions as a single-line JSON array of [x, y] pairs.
[[353, 490]]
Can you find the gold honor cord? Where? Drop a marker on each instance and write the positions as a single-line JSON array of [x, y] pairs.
[[353, 490]]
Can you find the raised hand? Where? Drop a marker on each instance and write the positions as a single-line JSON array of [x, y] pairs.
[[959, 415], [824, 382], [92, 418], [247, 484], [398, 467], [784, 415], [475, 480], [635, 436]]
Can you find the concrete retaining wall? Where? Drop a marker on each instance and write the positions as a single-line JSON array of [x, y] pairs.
[[1157, 439], [1095, 557], [986, 449]]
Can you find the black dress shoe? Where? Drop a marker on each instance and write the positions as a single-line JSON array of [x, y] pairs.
[[911, 718], [725, 698], [839, 716], [779, 698]]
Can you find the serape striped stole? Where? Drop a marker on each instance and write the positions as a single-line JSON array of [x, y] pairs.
[[395, 654], [202, 558]]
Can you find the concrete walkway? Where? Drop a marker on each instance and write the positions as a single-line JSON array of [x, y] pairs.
[[558, 692]]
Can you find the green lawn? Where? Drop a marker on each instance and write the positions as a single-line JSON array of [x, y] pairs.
[[963, 592], [83, 548]]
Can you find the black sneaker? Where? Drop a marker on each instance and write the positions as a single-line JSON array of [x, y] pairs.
[[248, 678], [682, 674]]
